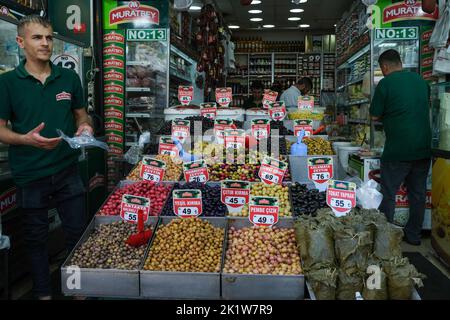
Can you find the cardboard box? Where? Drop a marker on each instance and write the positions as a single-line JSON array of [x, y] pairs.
[[362, 166]]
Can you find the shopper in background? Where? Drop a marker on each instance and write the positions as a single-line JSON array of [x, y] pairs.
[[255, 100], [37, 98], [401, 102], [276, 86], [301, 88]]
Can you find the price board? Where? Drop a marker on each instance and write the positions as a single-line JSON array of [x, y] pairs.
[[187, 203], [264, 211], [341, 196], [130, 206], [272, 171], [152, 169]]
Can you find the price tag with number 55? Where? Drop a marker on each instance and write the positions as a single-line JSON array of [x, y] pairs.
[[341, 196]]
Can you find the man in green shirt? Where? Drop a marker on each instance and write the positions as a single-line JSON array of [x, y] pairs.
[[37, 98], [401, 101]]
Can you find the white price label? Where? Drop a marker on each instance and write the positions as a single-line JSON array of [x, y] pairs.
[[271, 177], [168, 153], [234, 145], [234, 200], [201, 178], [321, 176], [182, 134], [151, 177], [263, 219], [261, 133], [341, 203], [223, 100], [130, 216], [188, 211]]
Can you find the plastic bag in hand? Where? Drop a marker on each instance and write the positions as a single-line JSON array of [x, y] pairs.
[[83, 140], [367, 196]]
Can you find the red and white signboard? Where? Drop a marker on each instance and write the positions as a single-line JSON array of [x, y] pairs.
[[224, 96], [130, 206], [306, 125], [209, 110], [234, 138], [341, 197], [185, 95], [264, 211], [167, 147], [181, 130], [196, 171], [152, 169], [320, 171], [187, 203], [235, 194], [260, 128], [306, 103], [272, 171], [268, 98], [277, 111], [219, 129]]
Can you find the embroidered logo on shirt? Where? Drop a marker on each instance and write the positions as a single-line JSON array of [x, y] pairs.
[[63, 96]]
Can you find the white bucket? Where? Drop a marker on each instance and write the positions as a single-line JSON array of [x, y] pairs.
[[344, 152], [337, 145]]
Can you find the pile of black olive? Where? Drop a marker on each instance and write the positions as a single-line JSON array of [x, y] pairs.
[[207, 124], [305, 201], [212, 205], [282, 130]]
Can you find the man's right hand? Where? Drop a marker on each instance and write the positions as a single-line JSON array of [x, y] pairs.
[[34, 138]]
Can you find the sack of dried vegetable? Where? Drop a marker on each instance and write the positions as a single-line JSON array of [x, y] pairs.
[[401, 278], [387, 241], [348, 284], [323, 283]]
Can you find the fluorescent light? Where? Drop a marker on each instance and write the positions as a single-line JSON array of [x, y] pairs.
[[296, 10], [195, 8], [294, 19], [233, 27], [256, 2], [268, 26], [299, 1], [254, 11], [256, 19], [304, 26]]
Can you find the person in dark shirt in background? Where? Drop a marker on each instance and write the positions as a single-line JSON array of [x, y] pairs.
[[257, 93]]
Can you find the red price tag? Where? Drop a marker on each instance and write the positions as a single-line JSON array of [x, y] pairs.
[[196, 171], [306, 103], [341, 197], [181, 130], [130, 207], [320, 171], [224, 96], [208, 110], [261, 128], [272, 171], [185, 95], [264, 211], [167, 147], [268, 98], [234, 138], [277, 111], [219, 129], [152, 169], [235, 194], [187, 203], [305, 125]]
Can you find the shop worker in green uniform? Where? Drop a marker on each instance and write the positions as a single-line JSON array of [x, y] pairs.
[[37, 98], [402, 102]]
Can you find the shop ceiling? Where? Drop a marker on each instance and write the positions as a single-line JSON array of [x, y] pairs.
[[318, 14]]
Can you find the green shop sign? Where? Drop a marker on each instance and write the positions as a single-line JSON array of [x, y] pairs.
[[409, 33], [135, 14], [146, 35]]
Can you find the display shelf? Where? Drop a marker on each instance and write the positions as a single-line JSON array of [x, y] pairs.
[[138, 115], [180, 78], [135, 89], [138, 63], [356, 56], [350, 84], [356, 102], [361, 121]]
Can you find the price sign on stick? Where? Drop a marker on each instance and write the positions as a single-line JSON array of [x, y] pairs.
[[268, 98], [208, 110], [264, 211], [152, 169], [130, 207], [187, 203], [272, 170], [196, 171], [167, 147], [320, 170], [341, 196], [181, 130]]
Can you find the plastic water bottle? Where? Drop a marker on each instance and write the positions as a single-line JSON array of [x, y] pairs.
[[185, 156], [299, 148]]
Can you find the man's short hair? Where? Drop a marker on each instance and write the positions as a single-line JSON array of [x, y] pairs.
[[34, 18], [390, 57], [306, 82]]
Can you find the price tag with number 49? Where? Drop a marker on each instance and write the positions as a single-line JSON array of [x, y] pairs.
[[264, 211]]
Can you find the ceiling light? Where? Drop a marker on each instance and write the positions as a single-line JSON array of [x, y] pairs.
[[254, 11], [296, 10], [233, 27], [335, 24], [256, 2], [294, 19], [195, 8], [298, 1], [256, 19], [268, 26], [304, 26]]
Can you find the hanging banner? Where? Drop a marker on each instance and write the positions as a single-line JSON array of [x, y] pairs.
[[391, 13]]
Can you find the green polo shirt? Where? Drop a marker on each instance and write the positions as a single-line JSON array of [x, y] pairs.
[[26, 102], [402, 100]]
